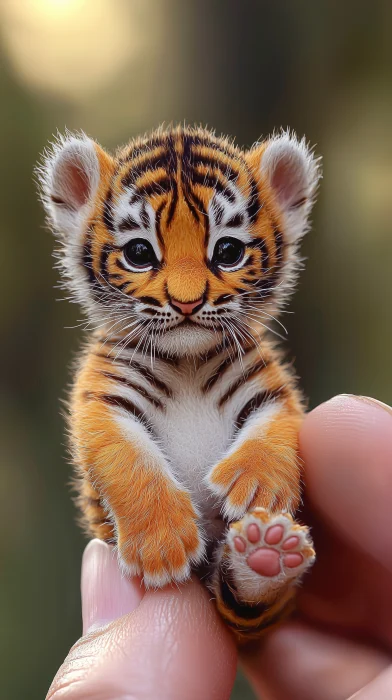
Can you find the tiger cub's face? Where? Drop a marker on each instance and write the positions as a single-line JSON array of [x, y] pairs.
[[181, 240]]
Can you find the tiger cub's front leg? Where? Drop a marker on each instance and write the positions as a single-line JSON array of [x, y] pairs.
[[154, 520], [265, 553], [262, 468]]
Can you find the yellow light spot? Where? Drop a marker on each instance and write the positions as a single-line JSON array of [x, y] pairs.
[[70, 47]]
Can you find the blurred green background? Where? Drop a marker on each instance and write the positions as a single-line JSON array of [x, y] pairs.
[[115, 68]]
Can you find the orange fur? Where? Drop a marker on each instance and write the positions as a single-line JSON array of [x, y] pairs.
[[129, 479], [130, 493]]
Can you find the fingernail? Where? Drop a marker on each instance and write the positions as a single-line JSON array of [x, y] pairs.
[[107, 594], [371, 401]]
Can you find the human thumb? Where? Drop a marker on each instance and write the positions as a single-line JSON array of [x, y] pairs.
[[169, 643]]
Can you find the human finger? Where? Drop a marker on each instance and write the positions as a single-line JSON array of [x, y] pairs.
[[346, 444], [171, 645], [302, 663]]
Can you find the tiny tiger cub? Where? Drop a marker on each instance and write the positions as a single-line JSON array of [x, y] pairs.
[[181, 249]]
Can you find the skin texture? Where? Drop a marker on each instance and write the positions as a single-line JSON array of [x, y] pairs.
[[171, 644]]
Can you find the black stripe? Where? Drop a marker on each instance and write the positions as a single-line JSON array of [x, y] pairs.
[[103, 259], [256, 401], [186, 173], [191, 206], [226, 169], [249, 262], [152, 163], [158, 216], [218, 212], [119, 402], [147, 374], [261, 244], [254, 627], [214, 183], [159, 186], [240, 381], [128, 224], [214, 352], [143, 215], [266, 285], [208, 142], [173, 204], [150, 300], [224, 191], [243, 611], [217, 373], [198, 203], [222, 299], [107, 215], [137, 150], [122, 286], [253, 205], [135, 387], [171, 156], [235, 221]]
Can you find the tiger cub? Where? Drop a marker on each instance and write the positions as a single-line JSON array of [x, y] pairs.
[[181, 249]]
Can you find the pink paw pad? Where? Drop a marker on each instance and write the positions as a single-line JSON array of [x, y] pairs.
[[265, 561], [274, 534], [253, 533], [290, 543], [239, 544], [292, 560]]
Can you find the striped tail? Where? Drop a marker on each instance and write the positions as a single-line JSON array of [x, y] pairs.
[[249, 621], [258, 566]]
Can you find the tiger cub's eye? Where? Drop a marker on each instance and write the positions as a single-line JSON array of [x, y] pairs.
[[228, 252], [139, 253]]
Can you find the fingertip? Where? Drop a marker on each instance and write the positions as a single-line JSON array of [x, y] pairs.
[[346, 446], [107, 593], [346, 411], [173, 645], [186, 636]]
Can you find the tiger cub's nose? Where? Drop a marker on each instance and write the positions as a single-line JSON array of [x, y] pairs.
[[188, 308]]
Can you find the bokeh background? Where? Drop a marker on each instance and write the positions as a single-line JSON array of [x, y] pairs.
[[115, 68]]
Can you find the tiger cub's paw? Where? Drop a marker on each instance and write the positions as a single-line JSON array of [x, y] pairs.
[[268, 551], [241, 489], [162, 548]]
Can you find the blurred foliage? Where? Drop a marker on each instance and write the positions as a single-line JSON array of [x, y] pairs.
[[114, 68]]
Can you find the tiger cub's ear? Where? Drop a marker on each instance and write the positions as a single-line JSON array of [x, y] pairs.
[[292, 172], [69, 177]]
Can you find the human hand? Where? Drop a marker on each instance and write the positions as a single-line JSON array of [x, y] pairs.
[[172, 645], [340, 645]]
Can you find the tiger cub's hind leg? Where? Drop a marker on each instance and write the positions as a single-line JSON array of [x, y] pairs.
[[94, 518], [262, 559]]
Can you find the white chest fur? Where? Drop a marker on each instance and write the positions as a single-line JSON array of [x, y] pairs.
[[195, 421], [194, 435]]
